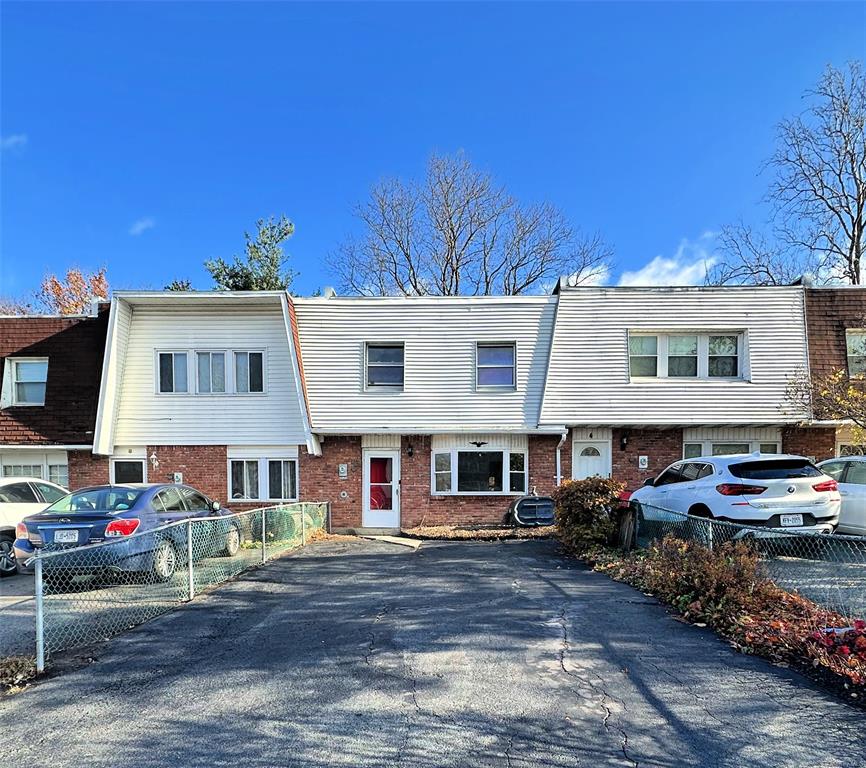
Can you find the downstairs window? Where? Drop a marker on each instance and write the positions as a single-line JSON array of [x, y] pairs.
[[479, 472]]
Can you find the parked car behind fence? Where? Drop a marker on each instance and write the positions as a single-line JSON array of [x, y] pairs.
[[77, 606]]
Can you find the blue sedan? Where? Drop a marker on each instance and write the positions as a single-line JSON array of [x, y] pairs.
[[126, 516]]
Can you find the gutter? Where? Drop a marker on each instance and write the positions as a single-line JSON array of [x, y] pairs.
[[559, 445], [421, 430]]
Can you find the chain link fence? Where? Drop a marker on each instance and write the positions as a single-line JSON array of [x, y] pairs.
[[828, 569], [90, 593]]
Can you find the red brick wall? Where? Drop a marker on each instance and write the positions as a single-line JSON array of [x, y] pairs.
[[829, 312], [662, 446], [542, 463], [203, 466], [320, 479], [74, 348], [419, 507], [819, 442], [86, 469]]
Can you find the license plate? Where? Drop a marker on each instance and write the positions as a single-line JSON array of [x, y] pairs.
[[70, 537], [791, 520]]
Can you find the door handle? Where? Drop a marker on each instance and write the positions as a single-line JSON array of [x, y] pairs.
[[691, 487], [844, 493]]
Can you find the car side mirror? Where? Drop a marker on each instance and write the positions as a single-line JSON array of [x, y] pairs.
[[216, 506], [650, 481]]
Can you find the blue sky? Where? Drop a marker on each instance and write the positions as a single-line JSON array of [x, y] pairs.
[[148, 137]]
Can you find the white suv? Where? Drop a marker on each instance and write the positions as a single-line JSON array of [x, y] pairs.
[[765, 490]]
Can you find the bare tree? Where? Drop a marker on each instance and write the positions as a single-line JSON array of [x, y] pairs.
[[817, 196], [746, 257], [459, 233]]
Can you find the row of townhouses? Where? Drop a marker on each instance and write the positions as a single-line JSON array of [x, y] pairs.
[[408, 411]]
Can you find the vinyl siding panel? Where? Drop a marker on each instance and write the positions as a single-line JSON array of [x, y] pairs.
[[145, 417], [588, 381], [439, 337]]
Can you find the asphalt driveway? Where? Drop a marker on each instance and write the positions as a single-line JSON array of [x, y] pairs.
[[459, 654]]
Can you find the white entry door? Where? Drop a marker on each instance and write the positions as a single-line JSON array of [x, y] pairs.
[[591, 459], [381, 489]]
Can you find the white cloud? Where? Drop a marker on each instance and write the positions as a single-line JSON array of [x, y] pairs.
[[13, 140], [140, 226], [688, 266]]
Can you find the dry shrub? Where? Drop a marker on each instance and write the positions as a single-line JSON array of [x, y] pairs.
[[725, 588], [585, 514]]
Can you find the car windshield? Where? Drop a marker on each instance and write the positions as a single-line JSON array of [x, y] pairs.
[[775, 469], [101, 499]]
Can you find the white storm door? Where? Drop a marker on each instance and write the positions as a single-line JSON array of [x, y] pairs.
[[381, 489], [591, 459]]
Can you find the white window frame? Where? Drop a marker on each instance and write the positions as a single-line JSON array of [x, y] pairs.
[[12, 365], [383, 387], [173, 393], [263, 463], [263, 353], [267, 468], [227, 378], [44, 460], [707, 446], [497, 387], [192, 383], [663, 337], [848, 356], [114, 459], [506, 472]]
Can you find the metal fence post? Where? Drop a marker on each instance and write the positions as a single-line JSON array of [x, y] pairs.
[[264, 535], [40, 618], [190, 578], [303, 525]]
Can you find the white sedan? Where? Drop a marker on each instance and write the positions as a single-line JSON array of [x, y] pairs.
[[850, 473], [764, 490], [20, 497]]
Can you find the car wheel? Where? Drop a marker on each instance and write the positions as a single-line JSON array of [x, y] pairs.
[[8, 565], [233, 542], [164, 561]]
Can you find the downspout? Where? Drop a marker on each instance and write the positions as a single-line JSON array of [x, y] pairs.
[[559, 457]]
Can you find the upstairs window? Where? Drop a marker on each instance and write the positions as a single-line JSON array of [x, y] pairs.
[[686, 356], [724, 358], [249, 372], [643, 355], [683, 356], [173, 372], [211, 372], [856, 345], [28, 380], [494, 366], [385, 365]]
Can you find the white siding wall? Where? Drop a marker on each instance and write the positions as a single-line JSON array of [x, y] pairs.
[[588, 382], [493, 442], [112, 374], [439, 381], [391, 442], [147, 418]]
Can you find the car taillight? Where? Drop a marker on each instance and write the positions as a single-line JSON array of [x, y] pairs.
[[20, 531], [122, 527], [737, 489], [827, 485]]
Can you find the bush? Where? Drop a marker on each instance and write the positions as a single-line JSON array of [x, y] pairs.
[[584, 512]]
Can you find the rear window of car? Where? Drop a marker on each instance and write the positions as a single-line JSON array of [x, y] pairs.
[[97, 499], [776, 469]]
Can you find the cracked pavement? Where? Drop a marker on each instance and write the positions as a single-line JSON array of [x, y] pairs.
[[359, 653]]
